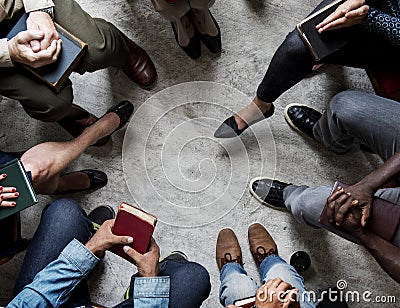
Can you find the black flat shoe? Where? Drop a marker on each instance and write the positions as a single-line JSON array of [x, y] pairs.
[[229, 128], [98, 179], [302, 118], [193, 50], [124, 111], [213, 43]]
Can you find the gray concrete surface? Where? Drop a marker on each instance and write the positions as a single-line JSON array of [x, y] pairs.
[[252, 30]]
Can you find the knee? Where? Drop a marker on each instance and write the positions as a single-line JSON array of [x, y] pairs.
[[65, 209], [348, 106], [39, 168], [294, 47], [198, 277]]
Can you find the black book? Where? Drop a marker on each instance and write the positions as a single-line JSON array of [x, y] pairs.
[[57, 73], [325, 43]]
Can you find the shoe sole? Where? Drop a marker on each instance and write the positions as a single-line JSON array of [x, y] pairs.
[[255, 196], [291, 124], [174, 253]]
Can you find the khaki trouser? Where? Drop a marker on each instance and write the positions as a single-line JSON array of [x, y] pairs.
[[107, 47], [176, 11]]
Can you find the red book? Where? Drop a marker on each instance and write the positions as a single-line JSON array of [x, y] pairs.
[[134, 222], [384, 219]]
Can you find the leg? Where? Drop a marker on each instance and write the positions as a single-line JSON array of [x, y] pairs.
[[39, 101], [275, 267], [353, 115], [107, 45], [47, 160], [235, 284], [306, 203], [55, 231], [185, 277]]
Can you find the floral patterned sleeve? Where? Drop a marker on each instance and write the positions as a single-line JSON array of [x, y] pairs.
[[383, 24]]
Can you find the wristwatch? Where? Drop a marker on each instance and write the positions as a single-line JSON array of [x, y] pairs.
[[48, 10]]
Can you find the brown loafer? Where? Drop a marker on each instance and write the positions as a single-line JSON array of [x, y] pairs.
[[228, 248], [140, 68], [261, 243]]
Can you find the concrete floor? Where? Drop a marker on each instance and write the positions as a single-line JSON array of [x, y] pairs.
[[251, 31]]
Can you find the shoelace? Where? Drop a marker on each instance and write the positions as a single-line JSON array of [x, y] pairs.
[[261, 254], [228, 258]]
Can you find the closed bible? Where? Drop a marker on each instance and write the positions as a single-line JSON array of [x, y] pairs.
[[134, 222], [72, 50], [383, 221], [17, 177]]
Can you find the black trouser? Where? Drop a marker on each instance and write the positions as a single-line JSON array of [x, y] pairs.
[[293, 61]]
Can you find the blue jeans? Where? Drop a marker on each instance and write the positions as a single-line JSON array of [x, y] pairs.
[[236, 284], [63, 220]]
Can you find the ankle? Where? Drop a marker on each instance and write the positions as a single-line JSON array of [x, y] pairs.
[[263, 106]]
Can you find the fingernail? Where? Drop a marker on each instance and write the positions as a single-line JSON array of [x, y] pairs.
[[339, 188], [16, 194], [126, 248], [337, 224], [13, 190], [1, 187], [13, 204], [4, 175], [330, 220], [1, 197], [130, 239], [349, 194]]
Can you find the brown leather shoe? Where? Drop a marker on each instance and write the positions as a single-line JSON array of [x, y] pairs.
[[228, 248], [140, 69], [261, 243]]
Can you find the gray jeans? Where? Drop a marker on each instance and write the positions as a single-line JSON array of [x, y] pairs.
[[351, 117]]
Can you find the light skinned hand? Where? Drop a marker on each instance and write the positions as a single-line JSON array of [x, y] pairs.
[[147, 264], [349, 13], [7, 193], [276, 293], [104, 239], [21, 51], [42, 21]]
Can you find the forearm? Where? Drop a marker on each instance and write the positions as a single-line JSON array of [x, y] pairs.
[[385, 253], [55, 283], [382, 175], [373, 22]]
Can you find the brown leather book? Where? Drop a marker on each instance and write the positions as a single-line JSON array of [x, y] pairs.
[[384, 219], [56, 74], [134, 222]]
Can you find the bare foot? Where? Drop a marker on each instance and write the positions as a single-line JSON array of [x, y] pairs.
[[252, 113], [72, 181]]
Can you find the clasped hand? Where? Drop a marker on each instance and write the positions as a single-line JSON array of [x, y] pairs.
[[39, 45], [350, 207], [350, 13]]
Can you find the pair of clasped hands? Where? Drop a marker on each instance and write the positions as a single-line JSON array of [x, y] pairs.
[[39, 45]]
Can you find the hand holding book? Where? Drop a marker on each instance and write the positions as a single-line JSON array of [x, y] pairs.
[[147, 264], [42, 21], [104, 239], [21, 52], [350, 13], [7, 194]]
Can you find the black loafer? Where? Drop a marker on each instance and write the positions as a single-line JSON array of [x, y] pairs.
[[213, 43], [229, 128], [100, 214], [302, 118], [124, 111], [269, 192], [98, 179], [193, 50]]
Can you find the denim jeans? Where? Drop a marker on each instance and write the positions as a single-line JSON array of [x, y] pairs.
[[292, 61], [236, 284], [63, 220], [351, 118]]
